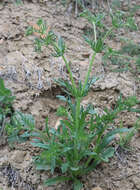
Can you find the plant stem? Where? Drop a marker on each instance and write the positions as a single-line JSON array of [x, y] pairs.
[[88, 161], [92, 157], [78, 101], [77, 119], [70, 73], [89, 71]]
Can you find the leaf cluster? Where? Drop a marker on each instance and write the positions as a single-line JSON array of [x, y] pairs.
[[68, 88], [76, 150], [6, 101], [43, 33], [14, 124], [124, 141], [20, 127]]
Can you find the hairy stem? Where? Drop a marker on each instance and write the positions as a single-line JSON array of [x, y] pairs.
[[70, 74], [89, 71], [77, 119]]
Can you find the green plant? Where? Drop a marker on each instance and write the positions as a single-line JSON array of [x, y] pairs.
[[83, 138], [6, 109], [20, 127], [125, 139], [127, 58], [15, 125], [128, 104]]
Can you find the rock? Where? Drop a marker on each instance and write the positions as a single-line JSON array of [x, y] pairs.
[[4, 157], [97, 188], [107, 82], [113, 81], [125, 6], [136, 181], [18, 156], [86, 55]]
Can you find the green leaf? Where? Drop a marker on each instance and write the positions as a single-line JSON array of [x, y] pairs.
[[90, 153], [98, 46], [40, 22], [109, 137], [92, 111], [74, 168], [115, 131], [4, 92], [40, 145], [55, 180], [43, 167], [61, 44], [134, 110], [64, 167], [47, 127], [63, 98], [29, 31], [25, 120], [2, 84], [93, 18], [53, 164], [66, 149], [36, 140], [26, 134], [108, 153], [61, 111], [59, 48], [77, 185]]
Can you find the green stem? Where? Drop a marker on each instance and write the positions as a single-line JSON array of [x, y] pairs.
[[70, 73], [78, 101], [90, 158], [77, 119], [88, 161], [89, 71]]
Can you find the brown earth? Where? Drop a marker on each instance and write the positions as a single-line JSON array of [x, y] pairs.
[[30, 76]]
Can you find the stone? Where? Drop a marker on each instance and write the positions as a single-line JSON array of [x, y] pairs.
[[97, 188], [18, 156]]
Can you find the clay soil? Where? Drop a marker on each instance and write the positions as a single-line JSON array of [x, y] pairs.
[[30, 76]]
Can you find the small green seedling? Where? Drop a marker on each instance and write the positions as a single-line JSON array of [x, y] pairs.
[[14, 124], [125, 139], [6, 109]]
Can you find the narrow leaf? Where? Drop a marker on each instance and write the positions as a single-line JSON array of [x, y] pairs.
[[55, 180], [40, 145], [77, 185]]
